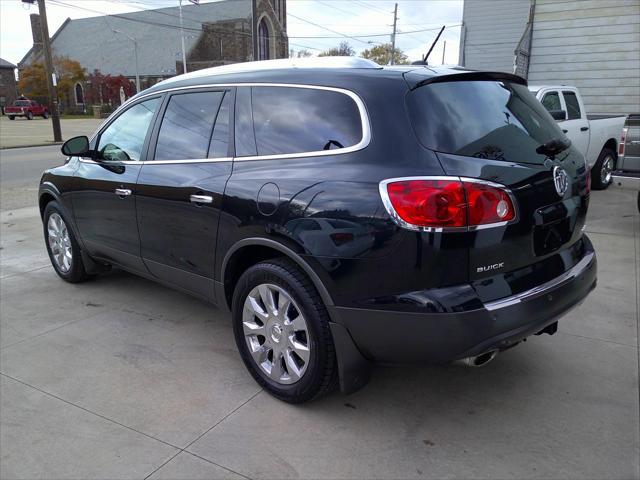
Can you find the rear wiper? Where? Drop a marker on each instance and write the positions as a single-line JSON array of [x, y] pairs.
[[554, 146]]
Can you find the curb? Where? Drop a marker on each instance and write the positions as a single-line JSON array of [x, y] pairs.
[[48, 144]]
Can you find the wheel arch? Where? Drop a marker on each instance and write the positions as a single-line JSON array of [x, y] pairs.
[[611, 144], [249, 251]]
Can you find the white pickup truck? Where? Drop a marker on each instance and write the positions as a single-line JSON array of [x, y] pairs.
[[596, 137]]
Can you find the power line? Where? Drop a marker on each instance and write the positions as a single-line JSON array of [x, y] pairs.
[[325, 28]]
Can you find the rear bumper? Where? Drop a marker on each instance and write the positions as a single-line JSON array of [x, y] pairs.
[[405, 337], [14, 114], [626, 180]]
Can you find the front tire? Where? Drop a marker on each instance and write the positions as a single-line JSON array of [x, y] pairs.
[[45, 115], [602, 172], [29, 116], [62, 245], [12, 117], [281, 327]]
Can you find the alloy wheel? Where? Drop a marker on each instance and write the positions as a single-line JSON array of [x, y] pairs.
[[606, 170], [59, 242], [276, 333]]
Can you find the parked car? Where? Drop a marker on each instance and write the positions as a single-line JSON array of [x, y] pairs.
[[468, 201], [628, 173], [26, 108], [596, 137]]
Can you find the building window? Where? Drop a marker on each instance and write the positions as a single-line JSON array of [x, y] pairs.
[[79, 94], [263, 40]]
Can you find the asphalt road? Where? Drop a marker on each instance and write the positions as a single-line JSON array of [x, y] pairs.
[[20, 171]]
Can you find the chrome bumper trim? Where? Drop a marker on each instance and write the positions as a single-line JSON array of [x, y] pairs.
[[567, 276]]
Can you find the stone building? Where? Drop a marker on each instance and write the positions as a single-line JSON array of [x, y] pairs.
[[8, 90], [216, 33]]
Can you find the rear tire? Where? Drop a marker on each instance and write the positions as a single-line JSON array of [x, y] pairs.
[[62, 246], [29, 116], [602, 172], [12, 117], [288, 349], [45, 115]]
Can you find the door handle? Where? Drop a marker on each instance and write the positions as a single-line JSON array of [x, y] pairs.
[[200, 199], [564, 130], [123, 192], [584, 129]]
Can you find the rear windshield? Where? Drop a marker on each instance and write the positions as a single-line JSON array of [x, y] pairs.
[[21, 103], [484, 119]]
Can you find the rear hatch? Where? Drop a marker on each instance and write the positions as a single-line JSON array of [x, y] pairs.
[[495, 130]]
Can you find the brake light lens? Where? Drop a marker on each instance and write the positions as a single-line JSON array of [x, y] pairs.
[[340, 238], [446, 203], [623, 138]]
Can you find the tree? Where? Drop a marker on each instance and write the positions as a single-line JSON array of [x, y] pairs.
[[304, 53], [343, 50], [33, 78], [381, 54], [103, 89]]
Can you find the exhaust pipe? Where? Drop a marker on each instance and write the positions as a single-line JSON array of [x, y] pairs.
[[479, 360]]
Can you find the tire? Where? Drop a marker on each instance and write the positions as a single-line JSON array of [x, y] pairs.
[[12, 117], [296, 380], [68, 266], [601, 173], [45, 115], [29, 116]]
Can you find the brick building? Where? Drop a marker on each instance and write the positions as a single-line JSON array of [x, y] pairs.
[[216, 33], [8, 90]]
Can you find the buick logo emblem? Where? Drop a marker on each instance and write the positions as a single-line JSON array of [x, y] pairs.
[[560, 180]]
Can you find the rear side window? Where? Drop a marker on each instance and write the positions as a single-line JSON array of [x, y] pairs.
[[551, 101], [186, 127], [291, 120], [484, 119], [573, 106]]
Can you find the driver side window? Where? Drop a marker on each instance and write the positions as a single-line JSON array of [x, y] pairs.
[[124, 138]]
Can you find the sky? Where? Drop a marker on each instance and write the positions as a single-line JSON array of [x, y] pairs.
[[337, 20]]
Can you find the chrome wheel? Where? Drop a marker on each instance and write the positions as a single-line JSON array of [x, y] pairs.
[[606, 170], [59, 242], [276, 333]]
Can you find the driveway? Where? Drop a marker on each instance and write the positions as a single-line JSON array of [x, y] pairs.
[[122, 378], [22, 132]]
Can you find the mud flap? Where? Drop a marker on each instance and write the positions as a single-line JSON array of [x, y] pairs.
[[353, 369]]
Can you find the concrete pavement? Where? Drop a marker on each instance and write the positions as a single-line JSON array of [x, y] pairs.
[[22, 132], [122, 378]]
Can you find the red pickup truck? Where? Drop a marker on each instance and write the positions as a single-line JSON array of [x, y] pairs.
[[26, 108]]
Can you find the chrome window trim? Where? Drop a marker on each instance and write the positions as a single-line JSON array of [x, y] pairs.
[[364, 121], [386, 201], [570, 274], [157, 162]]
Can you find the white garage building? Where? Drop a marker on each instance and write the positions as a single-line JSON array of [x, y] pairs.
[[592, 44]]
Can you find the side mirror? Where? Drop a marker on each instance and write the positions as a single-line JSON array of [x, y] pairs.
[[558, 115], [76, 146]]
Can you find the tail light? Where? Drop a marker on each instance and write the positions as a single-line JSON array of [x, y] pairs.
[[623, 139], [423, 203]]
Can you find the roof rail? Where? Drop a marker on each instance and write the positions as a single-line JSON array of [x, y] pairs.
[[282, 63]]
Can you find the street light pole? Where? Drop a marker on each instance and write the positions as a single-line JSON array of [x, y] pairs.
[[48, 61], [135, 53], [184, 53]]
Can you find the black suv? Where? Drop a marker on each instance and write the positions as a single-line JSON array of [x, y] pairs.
[[345, 213]]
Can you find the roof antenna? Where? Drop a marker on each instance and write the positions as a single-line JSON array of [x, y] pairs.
[[425, 57]]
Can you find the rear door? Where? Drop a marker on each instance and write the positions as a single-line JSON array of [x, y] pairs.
[[494, 130], [577, 125], [180, 188]]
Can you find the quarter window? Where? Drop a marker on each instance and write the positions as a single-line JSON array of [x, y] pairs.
[[573, 106], [186, 127], [551, 101], [297, 120], [124, 137], [220, 139]]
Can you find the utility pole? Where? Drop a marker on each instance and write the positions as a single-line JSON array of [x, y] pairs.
[[393, 35], [184, 53], [444, 49], [48, 61], [135, 52]]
